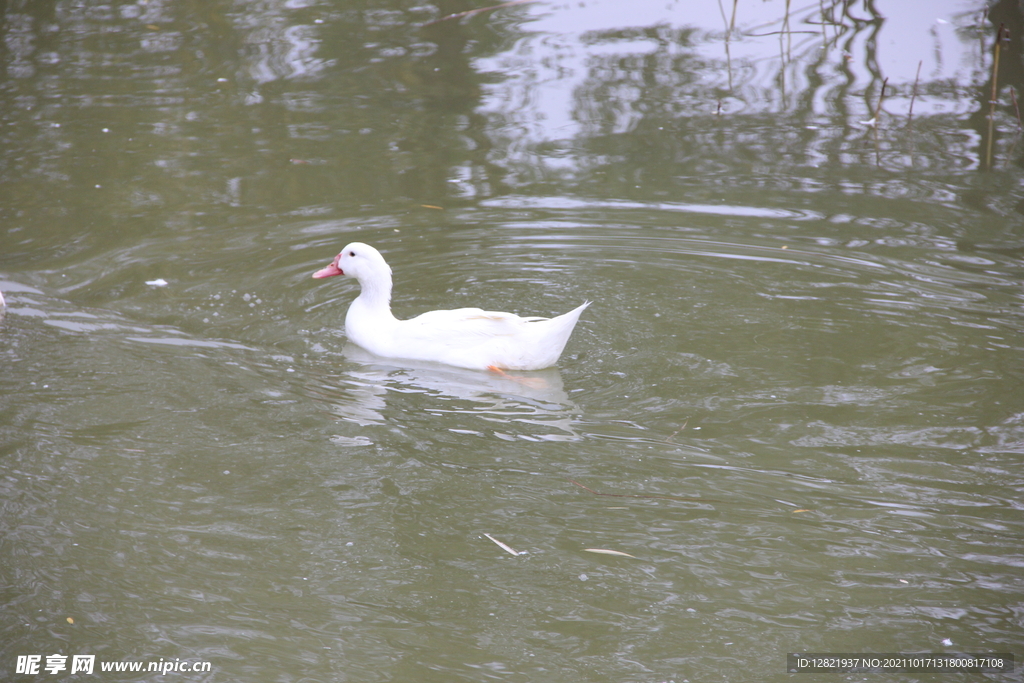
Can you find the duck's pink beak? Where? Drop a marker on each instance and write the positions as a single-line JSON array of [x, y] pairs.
[[329, 271]]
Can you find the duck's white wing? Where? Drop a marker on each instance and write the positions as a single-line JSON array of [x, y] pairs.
[[465, 322]]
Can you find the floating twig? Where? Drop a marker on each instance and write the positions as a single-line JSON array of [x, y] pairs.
[[605, 551], [507, 549], [673, 435]]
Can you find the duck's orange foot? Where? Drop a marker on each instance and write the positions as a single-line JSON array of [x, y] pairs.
[[533, 382]]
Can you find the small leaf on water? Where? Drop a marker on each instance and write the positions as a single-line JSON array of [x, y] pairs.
[[70, 620], [605, 551]]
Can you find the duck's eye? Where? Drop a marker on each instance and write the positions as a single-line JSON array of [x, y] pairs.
[[351, 253]]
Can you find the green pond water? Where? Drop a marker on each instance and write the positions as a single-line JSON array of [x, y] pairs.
[[795, 404]]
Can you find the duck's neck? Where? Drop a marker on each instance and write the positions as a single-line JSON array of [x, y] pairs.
[[375, 294]]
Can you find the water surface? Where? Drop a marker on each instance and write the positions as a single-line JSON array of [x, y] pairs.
[[795, 401]]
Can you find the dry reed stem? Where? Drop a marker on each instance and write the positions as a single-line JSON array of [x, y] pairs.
[[995, 94], [913, 94]]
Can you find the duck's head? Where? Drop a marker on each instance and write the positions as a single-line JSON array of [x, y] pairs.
[[357, 260]]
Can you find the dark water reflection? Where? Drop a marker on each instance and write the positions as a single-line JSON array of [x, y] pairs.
[[799, 381]]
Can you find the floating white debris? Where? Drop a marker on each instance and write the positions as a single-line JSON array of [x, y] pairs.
[[605, 551], [504, 547], [339, 440], [159, 282], [947, 642]]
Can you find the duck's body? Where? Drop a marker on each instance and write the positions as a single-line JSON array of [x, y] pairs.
[[464, 337]]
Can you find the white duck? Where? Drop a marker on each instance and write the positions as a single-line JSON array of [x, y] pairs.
[[464, 337]]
